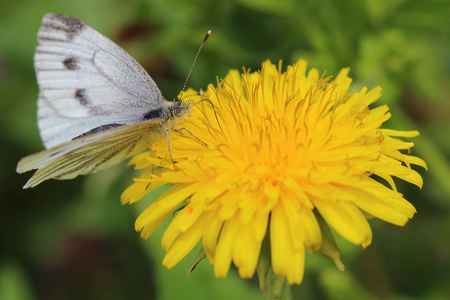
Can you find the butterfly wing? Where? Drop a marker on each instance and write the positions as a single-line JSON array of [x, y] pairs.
[[91, 153], [87, 82]]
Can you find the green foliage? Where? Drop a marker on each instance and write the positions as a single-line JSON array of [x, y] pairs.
[[73, 239]]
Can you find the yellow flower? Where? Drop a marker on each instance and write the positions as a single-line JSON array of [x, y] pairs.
[[280, 147]]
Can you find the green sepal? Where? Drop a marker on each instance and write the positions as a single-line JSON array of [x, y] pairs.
[[263, 266], [200, 256], [329, 247]]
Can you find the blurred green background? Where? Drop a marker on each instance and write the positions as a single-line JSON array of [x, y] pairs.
[[74, 240]]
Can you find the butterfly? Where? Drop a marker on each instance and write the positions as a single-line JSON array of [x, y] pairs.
[[96, 107]]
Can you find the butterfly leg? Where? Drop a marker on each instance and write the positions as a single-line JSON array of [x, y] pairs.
[[168, 146], [151, 155]]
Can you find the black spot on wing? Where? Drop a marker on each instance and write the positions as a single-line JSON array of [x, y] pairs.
[[69, 25], [72, 23], [71, 63], [154, 114], [98, 129], [80, 95]]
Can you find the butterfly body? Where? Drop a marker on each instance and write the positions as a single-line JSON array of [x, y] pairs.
[[97, 106]]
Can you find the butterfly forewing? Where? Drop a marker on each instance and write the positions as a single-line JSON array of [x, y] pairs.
[[87, 81]]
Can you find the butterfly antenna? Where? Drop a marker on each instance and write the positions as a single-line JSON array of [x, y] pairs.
[[193, 64]]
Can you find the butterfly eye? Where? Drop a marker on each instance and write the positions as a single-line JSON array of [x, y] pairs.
[[179, 111]]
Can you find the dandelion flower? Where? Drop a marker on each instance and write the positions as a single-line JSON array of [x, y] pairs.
[[282, 148]]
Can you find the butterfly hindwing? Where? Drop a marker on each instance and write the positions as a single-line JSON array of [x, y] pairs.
[[91, 153]]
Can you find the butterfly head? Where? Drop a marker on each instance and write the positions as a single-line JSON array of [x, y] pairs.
[[179, 108]]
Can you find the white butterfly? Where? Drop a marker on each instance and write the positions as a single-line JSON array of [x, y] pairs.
[[97, 106]]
